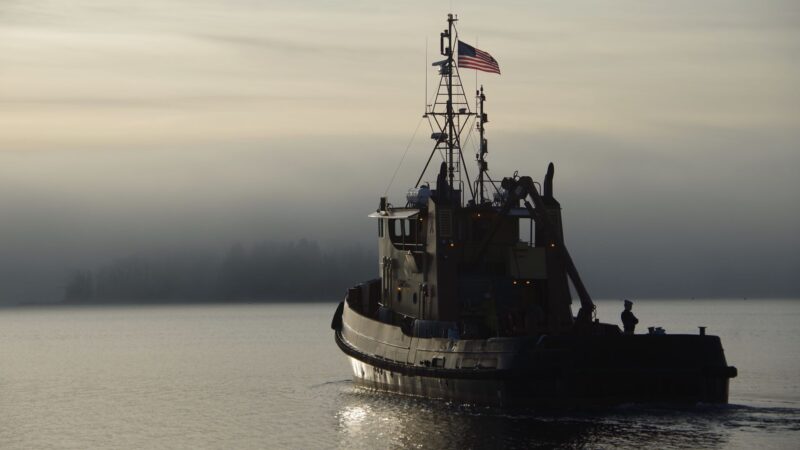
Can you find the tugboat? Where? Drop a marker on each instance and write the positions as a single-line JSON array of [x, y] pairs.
[[473, 301]]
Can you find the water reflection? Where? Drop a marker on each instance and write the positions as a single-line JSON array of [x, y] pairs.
[[353, 416], [369, 419]]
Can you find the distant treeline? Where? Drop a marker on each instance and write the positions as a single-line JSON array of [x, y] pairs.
[[266, 271]]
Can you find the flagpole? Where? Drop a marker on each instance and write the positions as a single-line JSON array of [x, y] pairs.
[[477, 44]]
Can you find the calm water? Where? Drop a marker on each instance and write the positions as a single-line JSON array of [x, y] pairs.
[[270, 376]]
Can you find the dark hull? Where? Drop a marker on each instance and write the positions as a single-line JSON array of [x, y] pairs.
[[550, 372]]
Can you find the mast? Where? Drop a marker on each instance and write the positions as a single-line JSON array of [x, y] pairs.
[[484, 145], [450, 65], [450, 113]]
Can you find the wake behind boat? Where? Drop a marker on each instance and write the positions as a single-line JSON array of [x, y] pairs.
[[473, 301]]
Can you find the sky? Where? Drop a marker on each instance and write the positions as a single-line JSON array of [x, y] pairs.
[[129, 127]]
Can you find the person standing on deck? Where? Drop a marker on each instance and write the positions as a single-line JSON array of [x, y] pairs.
[[629, 321]]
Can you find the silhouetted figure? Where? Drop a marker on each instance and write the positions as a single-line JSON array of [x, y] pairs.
[[629, 321]]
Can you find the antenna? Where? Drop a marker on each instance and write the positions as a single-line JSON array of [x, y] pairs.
[[425, 69]]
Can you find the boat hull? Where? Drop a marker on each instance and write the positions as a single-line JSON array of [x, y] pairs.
[[548, 372], [461, 390]]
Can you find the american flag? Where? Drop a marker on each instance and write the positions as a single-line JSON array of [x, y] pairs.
[[470, 57]]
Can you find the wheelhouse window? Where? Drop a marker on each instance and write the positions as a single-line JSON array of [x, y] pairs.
[[405, 233]]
